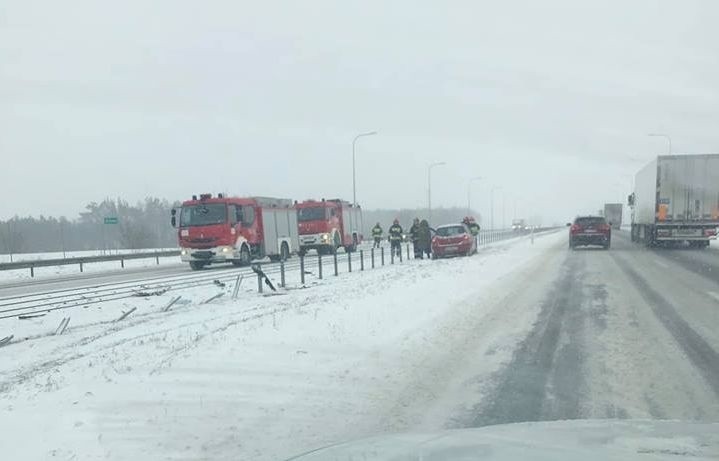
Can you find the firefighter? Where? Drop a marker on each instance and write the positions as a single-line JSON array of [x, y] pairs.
[[413, 237], [395, 237], [377, 234], [472, 224], [424, 240]]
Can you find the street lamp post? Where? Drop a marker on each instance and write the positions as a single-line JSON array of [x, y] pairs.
[[491, 193], [354, 169], [665, 136], [429, 188], [469, 193], [504, 208]]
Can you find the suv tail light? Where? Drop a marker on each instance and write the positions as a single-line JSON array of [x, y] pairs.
[[710, 232], [575, 228], [604, 227]]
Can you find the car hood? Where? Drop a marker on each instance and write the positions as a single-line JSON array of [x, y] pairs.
[[550, 441]]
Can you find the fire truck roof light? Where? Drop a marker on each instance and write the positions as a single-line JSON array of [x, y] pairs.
[[205, 196], [220, 196], [194, 197]]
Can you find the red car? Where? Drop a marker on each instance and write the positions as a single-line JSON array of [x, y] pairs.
[[590, 230], [453, 240]]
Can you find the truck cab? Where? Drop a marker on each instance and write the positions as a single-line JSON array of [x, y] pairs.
[[327, 225], [234, 230]]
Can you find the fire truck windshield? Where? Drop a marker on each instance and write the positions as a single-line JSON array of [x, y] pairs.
[[203, 215], [311, 214]]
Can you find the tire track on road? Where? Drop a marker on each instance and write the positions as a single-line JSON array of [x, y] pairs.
[[545, 379], [704, 358]]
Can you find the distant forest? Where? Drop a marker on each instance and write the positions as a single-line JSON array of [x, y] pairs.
[[147, 225]]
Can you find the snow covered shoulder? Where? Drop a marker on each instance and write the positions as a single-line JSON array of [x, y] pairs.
[[258, 377]]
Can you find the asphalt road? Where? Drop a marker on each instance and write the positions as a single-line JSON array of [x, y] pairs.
[[625, 333]]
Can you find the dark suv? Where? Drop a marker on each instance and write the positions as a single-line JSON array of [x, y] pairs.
[[590, 230]]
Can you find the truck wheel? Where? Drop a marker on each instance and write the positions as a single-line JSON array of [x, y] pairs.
[[197, 265], [245, 257], [284, 252]]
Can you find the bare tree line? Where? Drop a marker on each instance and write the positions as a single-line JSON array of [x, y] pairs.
[[142, 225], [145, 224]]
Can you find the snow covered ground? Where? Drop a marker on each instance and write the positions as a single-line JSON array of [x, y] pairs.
[[265, 377]]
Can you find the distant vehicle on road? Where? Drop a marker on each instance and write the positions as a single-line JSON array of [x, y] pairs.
[[453, 240], [519, 225], [676, 200], [235, 229], [613, 214], [327, 225], [590, 230]]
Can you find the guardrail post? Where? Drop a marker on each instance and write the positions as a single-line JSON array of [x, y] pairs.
[[302, 270], [237, 286], [382, 254], [157, 260], [335, 258], [349, 261], [122, 262], [80, 267], [282, 270], [259, 282], [319, 264], [32, 271], [372, 256], [361, 260]]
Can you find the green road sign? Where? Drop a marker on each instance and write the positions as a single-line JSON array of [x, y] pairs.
[[111, 220]]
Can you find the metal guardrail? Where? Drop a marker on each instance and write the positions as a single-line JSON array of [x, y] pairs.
[[82, 260]]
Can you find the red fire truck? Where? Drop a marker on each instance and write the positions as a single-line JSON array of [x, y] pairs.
[[233, 229], [326, 225]]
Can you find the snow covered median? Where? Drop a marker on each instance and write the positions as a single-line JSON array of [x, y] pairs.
[[257, 377]]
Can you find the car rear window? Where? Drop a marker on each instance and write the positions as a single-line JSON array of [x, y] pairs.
[[451, 231], [590, 221]]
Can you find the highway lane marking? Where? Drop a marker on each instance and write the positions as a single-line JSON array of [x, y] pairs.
[[659, 263], [713, 294]]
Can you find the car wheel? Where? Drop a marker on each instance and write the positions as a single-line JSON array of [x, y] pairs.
[[197, 265]]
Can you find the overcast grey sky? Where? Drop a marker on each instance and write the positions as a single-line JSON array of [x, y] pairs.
[[550, 100]]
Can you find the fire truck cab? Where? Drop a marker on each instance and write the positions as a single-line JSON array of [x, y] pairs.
[[237, 230], [326, 225]]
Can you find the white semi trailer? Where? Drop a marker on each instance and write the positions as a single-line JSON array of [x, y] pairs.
[[676, 199]]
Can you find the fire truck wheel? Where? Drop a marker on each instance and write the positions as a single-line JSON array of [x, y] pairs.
[[197, 265], [284, 252], [245, 258]]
